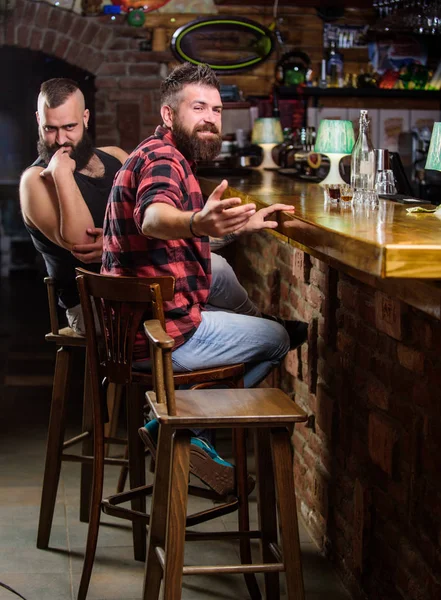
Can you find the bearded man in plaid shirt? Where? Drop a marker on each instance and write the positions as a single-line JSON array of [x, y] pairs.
[[157, 223]]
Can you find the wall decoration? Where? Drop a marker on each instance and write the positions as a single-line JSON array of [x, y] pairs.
[[227, 44]]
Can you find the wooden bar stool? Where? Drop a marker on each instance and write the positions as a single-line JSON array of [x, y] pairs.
[[121, 304], [67, 341], [273, 414]]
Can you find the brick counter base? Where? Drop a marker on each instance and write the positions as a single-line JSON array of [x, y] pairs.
[[368, 469]]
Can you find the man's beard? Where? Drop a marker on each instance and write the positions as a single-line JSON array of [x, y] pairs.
[[81, 153], [192, 146]]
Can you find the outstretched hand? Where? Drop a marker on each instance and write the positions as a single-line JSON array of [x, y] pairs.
[[221, 217], [257, 221], [90, 253]]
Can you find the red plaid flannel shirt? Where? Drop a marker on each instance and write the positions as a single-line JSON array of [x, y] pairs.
[[157, 172]]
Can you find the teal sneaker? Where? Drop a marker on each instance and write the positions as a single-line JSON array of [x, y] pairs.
[[205, 462]]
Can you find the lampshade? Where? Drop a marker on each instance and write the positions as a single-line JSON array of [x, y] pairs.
[[334, 138], [434, 154], [267, 132]]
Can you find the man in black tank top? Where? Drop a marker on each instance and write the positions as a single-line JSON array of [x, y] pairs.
[[63, 194]]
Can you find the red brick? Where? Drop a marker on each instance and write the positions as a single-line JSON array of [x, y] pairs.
[[42, 16], [347, 293], [119, 44], [361, 524], [23, 33], [55, 18], [36, 39], [410, 358], [325, 410], [366, 309], [104, 82], [90, 33], [315, 297], [383, 438], [19, 9], [107, 69], [61, 46], [147, 69], [10, 33], [320, 492], [292, 363], [48, 42], [389, 315], [66, 22], [378, 394], [29, 12]]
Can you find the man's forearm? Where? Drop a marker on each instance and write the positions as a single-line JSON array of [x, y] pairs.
[[165, 222], [218, 243]]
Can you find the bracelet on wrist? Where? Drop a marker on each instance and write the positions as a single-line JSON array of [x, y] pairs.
[[191, 224]]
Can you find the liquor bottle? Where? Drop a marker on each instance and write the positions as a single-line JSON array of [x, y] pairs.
[[363, 162], [334, 66], [278, 151]]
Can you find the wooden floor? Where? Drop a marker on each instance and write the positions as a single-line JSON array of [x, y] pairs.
[[26, 367]]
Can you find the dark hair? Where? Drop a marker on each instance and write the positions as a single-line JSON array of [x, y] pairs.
[[57, 91], [183, 75]]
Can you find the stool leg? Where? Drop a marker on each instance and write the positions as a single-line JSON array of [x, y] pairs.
[[54, 448], [96, 498], [284, 476], [267, 508], [240, 455], [113, 405], [177, 514], [135, 403], [158, 515], [87, 449]]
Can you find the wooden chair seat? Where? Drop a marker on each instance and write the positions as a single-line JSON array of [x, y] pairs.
[[228, 408]]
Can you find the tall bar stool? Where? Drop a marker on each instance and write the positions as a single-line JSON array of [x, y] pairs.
[[121, 303], [273, 415], [67, 341]]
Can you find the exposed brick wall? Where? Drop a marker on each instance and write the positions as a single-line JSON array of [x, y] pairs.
[[368, 471], [127, 79]]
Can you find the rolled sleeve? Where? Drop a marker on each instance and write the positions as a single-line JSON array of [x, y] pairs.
[[159, 182]]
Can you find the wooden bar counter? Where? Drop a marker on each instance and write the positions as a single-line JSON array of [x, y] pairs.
[[384, 246], [368, 464]]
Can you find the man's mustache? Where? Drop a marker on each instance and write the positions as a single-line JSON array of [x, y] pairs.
[[207, 127]]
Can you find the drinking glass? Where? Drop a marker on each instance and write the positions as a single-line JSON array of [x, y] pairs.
[[346, 193], [385, 182]]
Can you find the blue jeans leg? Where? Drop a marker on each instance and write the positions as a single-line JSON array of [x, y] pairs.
[[225, 338], [226, 293]]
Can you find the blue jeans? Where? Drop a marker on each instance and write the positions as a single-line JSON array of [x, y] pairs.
[[231, 332], [225, 338]]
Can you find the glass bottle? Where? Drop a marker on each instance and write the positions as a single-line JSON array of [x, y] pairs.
[[279, 150], [334, 66], [363, 163]]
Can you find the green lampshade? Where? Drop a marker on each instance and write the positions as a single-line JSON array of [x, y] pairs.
[[335, 137], [434, 154], [267, 130]]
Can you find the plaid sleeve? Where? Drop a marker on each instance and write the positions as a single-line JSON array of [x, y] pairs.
[[160, 181]]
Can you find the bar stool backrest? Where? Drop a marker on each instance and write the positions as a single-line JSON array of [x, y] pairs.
[[120, 305]]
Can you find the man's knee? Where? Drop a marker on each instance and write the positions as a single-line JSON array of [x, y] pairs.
[[221, 271]]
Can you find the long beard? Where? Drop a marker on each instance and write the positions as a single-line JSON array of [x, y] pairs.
[[81, 153], [193, 147]]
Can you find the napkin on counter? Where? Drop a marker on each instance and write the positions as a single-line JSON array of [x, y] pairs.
[[421, 209]]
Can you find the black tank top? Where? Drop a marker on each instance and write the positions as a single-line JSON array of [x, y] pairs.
[[60, 263]]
